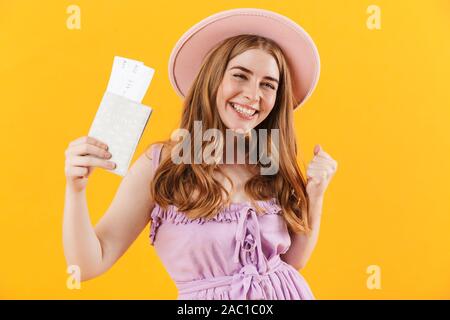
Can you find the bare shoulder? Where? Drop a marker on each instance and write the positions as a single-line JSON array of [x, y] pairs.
[[164, 154]]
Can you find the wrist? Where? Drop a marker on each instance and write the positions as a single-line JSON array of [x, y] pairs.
[[315, 210], [72, 189], [316, 200]]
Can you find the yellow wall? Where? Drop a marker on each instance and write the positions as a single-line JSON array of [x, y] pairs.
[[381, 109]]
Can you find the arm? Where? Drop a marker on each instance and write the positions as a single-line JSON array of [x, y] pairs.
[[95, 250], [320, 171], [303, 245]]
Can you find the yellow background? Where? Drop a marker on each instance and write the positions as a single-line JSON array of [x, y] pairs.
[[381, 109]]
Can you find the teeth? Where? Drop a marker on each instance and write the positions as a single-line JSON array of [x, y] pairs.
[[245, 111]]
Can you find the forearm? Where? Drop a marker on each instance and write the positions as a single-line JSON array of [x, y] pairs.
[[81, 245], [302, 245]]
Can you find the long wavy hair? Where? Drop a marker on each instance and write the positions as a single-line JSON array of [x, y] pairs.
[[192, 188]]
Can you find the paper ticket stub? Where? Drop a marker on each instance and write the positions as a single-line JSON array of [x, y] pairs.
[[121, 118], [130, 79]]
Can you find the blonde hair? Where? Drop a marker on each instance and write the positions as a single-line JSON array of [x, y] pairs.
[[175, 184]]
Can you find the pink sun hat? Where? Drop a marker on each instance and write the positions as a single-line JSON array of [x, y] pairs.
[[298, 47]]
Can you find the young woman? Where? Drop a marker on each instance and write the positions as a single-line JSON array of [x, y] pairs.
[[223, 229]]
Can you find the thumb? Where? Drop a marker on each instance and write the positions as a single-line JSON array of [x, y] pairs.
[[317, 148]]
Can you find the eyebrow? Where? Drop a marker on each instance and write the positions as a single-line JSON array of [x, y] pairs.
[[249, 71]]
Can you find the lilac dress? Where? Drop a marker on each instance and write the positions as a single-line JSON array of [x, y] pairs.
[[233, 256]]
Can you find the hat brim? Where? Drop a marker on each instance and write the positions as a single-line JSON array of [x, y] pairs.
[[298, 47]]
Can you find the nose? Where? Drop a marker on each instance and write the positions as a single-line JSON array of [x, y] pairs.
[[251, 92]]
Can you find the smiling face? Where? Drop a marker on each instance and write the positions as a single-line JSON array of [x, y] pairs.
[[248, 90]]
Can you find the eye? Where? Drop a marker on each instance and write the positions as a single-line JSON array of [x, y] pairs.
[[270, 86], [244, 77], [240, 76]]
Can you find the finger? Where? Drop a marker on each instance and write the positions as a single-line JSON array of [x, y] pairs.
[[316, 167], [314, 172], [324, 155], [85, 149], [89, 140], [318, 173], [328, 170], [328, 162], [77, 141], [326, 158], [317, 148], [88, 161], [76, 171], [322, 164]]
